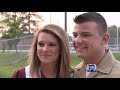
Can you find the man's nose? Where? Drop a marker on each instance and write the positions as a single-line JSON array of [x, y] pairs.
[[78, 39]]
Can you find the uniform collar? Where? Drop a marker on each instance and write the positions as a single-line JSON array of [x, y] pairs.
[[104, 66], [107, 63], [81, 69]]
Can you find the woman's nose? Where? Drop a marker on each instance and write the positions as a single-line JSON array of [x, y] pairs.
[[45, 48]]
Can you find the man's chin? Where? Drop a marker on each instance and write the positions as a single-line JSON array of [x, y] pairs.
[[80, 56]]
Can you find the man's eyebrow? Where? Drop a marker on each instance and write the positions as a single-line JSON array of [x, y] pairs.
[[86, 33], [81, 33], [73, 32]]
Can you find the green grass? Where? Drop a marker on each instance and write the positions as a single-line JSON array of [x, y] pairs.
[[7, 70], [75, 60], [9, 62], [8, 57], [117, 56]]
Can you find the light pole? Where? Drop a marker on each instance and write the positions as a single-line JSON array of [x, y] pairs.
[[66, 21], [117, 38], [50, 17]]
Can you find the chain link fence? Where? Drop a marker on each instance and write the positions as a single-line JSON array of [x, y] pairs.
[[13, 50], [17, 49]]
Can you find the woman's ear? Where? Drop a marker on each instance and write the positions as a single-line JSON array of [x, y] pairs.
[[105, 38]]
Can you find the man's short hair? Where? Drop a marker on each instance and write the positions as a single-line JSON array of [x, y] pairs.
[[92, 16]]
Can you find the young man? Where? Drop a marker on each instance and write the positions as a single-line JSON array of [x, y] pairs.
[[89, 39]]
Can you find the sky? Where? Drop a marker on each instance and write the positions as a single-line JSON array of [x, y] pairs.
[[112, 18]]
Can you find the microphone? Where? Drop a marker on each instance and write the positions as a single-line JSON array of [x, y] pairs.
[[91, 68]]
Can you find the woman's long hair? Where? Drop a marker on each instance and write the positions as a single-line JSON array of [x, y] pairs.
[[64, 65]]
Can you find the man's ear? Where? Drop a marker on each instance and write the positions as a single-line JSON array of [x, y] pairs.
[[105, 38]]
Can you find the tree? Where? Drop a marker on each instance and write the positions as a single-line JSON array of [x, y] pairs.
[[13, 31], [119, 35], [30, 22], [19, 24], [112, 30]]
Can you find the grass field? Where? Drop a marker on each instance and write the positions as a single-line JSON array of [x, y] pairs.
[[9, 62]]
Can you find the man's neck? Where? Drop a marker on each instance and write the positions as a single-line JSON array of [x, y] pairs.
[[96, 59]]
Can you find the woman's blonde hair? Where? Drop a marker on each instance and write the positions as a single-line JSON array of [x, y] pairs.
[[64, 64]]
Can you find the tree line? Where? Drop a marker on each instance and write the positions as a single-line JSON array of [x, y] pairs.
[[112, 30], [18, 24]]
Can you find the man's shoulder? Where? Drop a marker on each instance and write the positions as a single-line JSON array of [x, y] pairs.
[[115, 71], [116, 65]]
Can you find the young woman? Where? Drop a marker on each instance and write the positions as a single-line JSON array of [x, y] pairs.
[[49, 56]]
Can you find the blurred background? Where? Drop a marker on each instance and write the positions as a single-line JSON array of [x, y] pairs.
[[17, 31]]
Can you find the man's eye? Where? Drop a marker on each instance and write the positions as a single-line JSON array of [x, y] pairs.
[[75, 35], [85, 35]]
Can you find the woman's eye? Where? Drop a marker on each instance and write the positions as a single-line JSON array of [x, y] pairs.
[[41, 44], [52, 44]]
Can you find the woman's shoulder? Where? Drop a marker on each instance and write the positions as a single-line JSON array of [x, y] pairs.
[[27, 71], [19, 73]]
